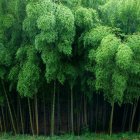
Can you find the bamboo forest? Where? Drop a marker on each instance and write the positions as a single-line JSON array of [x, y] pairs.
[[69, 67]]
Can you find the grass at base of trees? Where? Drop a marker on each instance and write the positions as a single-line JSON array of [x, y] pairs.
[[120, 136]]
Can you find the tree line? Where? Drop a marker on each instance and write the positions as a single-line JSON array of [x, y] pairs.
[[69, 66]]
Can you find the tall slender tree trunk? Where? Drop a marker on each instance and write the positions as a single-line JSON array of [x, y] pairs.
[[85, 112], [9, 108], [138, 130], [96, 124], [3, 119], [33, 116], [104, 116], [130, 116], [44, 108], [1, 128], [78, 125], [36, 115], [133, 116], [72, 121], [15, 118], [124, 117], [7, 117], [21, 115], [58, 112], [30, 115], [53, 111], [111, 119], [69, 122]]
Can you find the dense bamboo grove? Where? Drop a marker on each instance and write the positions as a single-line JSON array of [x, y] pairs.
[[69, 66]]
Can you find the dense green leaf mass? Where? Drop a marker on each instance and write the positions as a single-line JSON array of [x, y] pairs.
[[124, 57], [123, 14], [87, 46], [28, 78]]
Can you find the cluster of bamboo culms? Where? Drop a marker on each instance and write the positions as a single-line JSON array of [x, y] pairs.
[[60, 114], [69, 66]]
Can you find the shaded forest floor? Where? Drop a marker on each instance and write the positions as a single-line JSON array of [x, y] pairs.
[[121, 136]]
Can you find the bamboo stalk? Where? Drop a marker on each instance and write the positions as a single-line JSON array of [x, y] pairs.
[[9, 108], [53, 111], [30, 115], [111, 119]]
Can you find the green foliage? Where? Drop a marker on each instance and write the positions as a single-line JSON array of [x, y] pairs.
[[51, 59], [92, 45], [132, 91], [123, 14], [65, 29], [71, 74], [29, 75], [93, 3], [119, 81], [55, 25], [71, 3], [106, 51], [47, 24], [14, 71], [124, 57], [8, 21], [86, 18], [95, 36], [128, 136], [107, 78], [5, 57]]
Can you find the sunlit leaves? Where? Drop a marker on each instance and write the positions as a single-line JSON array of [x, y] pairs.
[[92, 54], [132, 91], [65, 19], [8, 21], [54, 32], [93, 3], [85, 18], [124, 57], [102, 76], [29, 75], [65, 29], [45, 6], [5, 57], [53, 29], [106, 51], [46, 22], [71, 3], [31, 9], [113, 59], [134, 43], [51, 60], [123, 14], [95, 35], [119, 81], [65, 47], [28, 80]]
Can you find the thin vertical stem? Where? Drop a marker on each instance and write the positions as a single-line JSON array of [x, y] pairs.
[[111, 119], [9, 108], [53, 111], [133, 115], [72, 122], [36, 114], [30, 115], [3, 116], [21, 117], [44, 108]]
